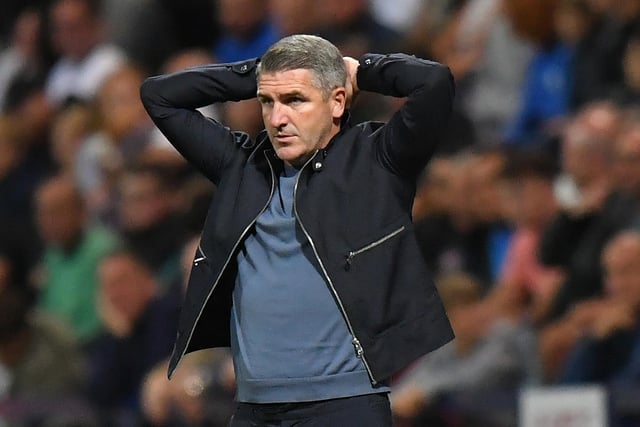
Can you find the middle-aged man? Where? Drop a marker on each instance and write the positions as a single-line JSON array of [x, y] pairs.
[[308, 266]]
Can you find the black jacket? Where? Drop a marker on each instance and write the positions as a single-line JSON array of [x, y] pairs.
[[352, 199]]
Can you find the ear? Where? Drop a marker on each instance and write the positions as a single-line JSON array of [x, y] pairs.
[[338, 100]]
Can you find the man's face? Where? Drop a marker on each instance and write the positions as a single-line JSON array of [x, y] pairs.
[[73, 28], [125, 285], [59, 214], [296, 115]]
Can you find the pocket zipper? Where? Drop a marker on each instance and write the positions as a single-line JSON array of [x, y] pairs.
[[200, 258], [352, 254]]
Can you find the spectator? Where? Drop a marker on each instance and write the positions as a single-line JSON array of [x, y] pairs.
[[607, 347], [524, 288], [248, 30], [503, 359], [488, 59], [604, 63], [149, 223], [546, 94], [590, 210], [124, 134], [73, 250], [295, 16], [70, 127], [38, 355], [85, 56], [467, 234], [24, 54], [201, 391], [351, 27], [139, 331]]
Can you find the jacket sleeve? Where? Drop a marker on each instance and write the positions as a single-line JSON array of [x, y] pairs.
[[171, 101], [408, 140]]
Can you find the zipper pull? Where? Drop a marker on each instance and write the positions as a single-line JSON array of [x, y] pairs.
[[357, 347], [349, 260]]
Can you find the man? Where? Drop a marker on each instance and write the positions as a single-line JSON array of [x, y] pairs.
[[606, 330], [72, 251], [138, 332], [85, 58], [307, 264]]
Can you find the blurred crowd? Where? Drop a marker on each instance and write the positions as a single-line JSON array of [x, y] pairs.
[[528, 215]]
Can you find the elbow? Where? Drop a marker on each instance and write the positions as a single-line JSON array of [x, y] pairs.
[[148, 91]]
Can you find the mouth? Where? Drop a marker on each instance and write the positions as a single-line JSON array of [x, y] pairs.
[[283, 137]]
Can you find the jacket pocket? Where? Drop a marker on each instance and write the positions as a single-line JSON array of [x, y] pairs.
[[354, 253]]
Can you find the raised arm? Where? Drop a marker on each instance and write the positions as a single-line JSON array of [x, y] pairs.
[[171, 101], [408, 140]]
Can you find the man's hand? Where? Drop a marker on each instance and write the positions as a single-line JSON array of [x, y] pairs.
[[351, 84]]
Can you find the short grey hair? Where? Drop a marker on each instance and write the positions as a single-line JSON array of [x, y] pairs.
[[304, 51]]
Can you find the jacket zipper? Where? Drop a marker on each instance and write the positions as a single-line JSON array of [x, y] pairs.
[[351, 255], [224, 267], [356, 343]]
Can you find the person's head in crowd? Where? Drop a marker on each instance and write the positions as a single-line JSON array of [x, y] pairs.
[[147, 197], [26, 103], [76, 27], [26, 33], [622, 269], [60, 212], [455, 192], [626, 155], [186, 59], [587, 140], [70, 127], [343, 12], [295, 16], [242, 18], [527, 188], [532, 19], [127, 286], [436, 189], [482, 186], [120, 110], [573, 20]]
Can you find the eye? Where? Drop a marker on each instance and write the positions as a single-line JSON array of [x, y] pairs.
[[265, 101], [294, 100]]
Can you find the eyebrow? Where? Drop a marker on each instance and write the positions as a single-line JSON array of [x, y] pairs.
[[285, 95]]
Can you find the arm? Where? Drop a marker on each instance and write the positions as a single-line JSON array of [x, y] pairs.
[[408, 140], [171, 101]]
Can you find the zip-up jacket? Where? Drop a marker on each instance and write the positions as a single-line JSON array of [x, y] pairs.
[[352, 199]]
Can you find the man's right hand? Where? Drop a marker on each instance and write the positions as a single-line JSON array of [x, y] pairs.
[[351, 84]]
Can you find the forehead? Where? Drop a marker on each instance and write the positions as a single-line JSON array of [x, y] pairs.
[[296, 80]]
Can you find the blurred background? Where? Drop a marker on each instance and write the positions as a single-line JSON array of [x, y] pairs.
[[528, 215]]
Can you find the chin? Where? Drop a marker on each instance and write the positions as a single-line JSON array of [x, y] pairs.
[[289, 156]]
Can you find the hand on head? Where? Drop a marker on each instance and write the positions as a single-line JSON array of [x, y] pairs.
[[351, 84]]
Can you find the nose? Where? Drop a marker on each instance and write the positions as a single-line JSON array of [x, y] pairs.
[[278, 116]]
